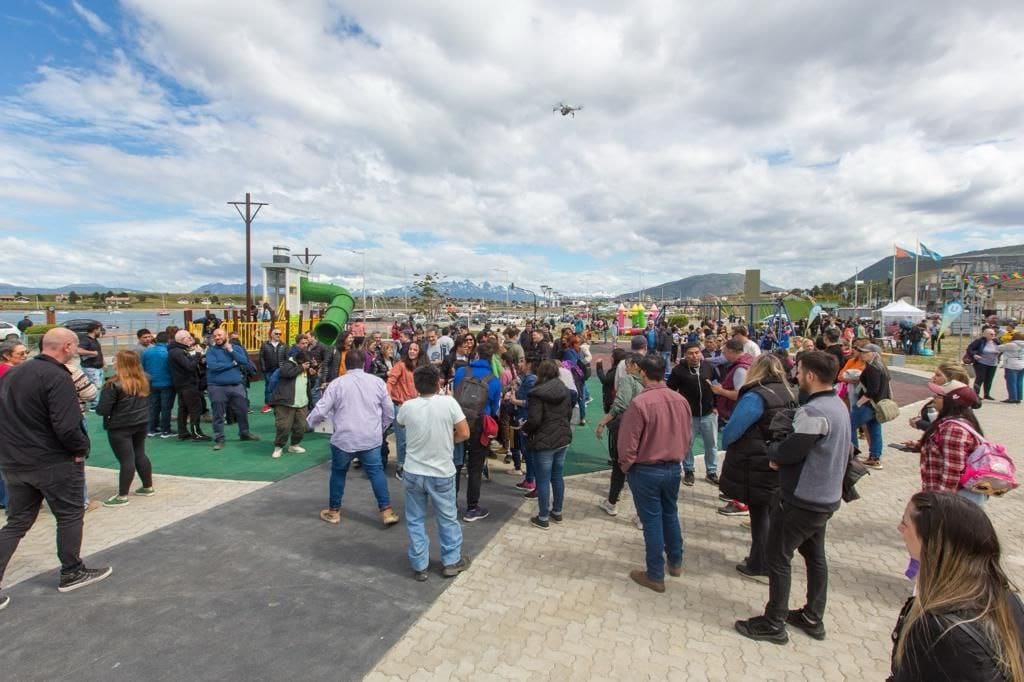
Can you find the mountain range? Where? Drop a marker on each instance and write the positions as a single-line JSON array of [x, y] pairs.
[[697, 286], [81, 288]]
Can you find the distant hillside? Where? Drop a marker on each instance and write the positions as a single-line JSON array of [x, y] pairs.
[[467, 290], [697, 286], [221, 288], [881, 269], [83, 288]]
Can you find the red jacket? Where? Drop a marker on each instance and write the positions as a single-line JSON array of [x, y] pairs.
[[722, 404]]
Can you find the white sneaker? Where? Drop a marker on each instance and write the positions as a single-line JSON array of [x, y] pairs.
[[297, 449], [638, 523], [277, 453], [608, 507]]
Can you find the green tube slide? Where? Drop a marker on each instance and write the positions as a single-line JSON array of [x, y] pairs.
[[339, 307]]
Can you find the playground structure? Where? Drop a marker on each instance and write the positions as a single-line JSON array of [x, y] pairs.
[[286, 288]]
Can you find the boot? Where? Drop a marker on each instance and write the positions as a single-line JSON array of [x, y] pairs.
[[198, 435]]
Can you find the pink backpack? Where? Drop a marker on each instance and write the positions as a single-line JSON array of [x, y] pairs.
[[989, 469]]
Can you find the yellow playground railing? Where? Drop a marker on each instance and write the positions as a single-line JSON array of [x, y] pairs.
[[253, 334]]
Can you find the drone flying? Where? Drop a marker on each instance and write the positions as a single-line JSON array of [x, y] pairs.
[[566, 109]]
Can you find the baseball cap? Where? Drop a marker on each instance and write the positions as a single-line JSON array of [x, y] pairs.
[[956, 391]]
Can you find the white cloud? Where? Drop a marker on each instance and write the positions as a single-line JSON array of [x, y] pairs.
[[91, 18], [798, 138]]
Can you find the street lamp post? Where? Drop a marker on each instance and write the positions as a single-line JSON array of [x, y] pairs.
[[512, 285], [362, 252]]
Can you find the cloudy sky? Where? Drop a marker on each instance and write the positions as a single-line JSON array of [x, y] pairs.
[[802, 138]]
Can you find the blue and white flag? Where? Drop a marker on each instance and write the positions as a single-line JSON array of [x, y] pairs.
[[928, 253]]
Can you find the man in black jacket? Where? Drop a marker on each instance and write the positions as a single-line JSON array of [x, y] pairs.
[[273, 352], [185, 375], [692, 379], [43, 447]]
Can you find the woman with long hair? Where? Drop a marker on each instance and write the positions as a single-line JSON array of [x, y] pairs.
[[746, 475], [949, 441], [548, 436], [402, 388], [966, 621], [124, 406]]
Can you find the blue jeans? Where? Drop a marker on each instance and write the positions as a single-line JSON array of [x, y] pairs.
[[372, 465], [1014, 383], [161, 400], [529, 461], [440, 492], [707, 427], [96, 377], [220, 396], [977, 498], [549, 465], [865, 414], [666, 355], [655, 489], [399, 440]]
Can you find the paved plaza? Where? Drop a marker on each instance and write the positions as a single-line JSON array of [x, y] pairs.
[[223, 580]]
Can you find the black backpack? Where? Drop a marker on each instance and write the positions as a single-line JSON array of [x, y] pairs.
[[472, 395]]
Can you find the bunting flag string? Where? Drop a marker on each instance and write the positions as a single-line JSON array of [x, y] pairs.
[[990, 278]]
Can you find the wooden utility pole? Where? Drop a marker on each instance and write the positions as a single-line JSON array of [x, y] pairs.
[[248, 217]]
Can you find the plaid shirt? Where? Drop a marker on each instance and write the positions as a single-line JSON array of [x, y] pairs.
[[944, 457]]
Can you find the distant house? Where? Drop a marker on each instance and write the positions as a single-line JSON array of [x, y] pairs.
[[21, 299], [7, 298], [118, 299], [60, 298]]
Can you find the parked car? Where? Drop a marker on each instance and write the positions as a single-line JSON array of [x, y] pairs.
[[7, 329], [81, 325]]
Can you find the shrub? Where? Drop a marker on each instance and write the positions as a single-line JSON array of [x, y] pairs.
[[39, 329], [678, 320]]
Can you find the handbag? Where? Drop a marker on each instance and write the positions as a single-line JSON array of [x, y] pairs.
[[886, 410]]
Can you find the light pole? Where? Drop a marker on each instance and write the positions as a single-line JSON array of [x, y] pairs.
[[362, 252], [508, 286], [511, 285], [961, 267]]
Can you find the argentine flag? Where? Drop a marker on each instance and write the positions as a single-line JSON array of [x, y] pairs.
[[928, 253]]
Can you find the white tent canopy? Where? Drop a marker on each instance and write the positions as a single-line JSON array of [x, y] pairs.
[[901, 310]]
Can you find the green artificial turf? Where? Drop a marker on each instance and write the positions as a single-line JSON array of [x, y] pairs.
[[240, 461]]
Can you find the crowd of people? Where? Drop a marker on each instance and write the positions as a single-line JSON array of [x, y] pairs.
[[788, 409]]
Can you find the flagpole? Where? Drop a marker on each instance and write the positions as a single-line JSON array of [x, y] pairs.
[[893, 273], [917, 260]]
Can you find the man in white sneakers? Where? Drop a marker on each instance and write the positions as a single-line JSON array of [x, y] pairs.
[[433, 424]]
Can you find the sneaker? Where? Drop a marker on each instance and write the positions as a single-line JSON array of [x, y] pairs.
[[637, 522], [152, 434], [508, 460], [557, 518], [218, 445], [514, 472], [296, 449], [4, 601], [331, 515], [201, 438], [145, 492], [265, 409], [249, 435], [389, 517], [539, 522], [676, 571], [526, 485], [82, 577], [761, 629], [873, 462], [276, 454], [115, 501], [724, 498], [712, 479], [167, 434], [420, 576], [747, 572], [688, 478], [398, 473], [609, 508], [641, 578], [456, 568], [733, 509], [531, 494], [798, 619], [475, 514]]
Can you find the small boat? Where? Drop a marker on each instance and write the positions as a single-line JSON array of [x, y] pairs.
[[163, 307]]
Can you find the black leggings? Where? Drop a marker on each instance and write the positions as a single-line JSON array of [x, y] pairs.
[[983, 376], [129, 446], [759, 516], [618, 480]]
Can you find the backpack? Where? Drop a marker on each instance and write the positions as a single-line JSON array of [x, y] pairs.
[[989, 469], [472, 395]]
